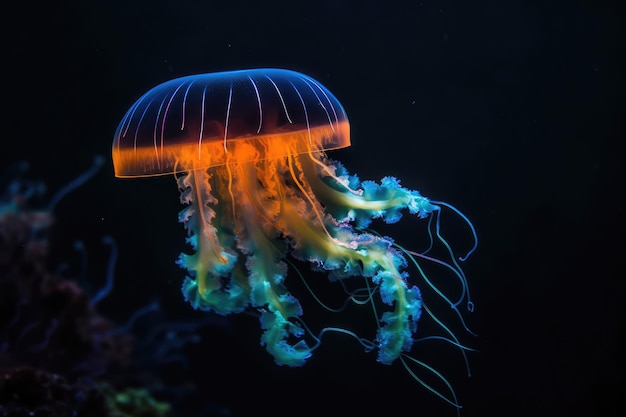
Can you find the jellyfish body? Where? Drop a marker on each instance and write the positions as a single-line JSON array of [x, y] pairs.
[[248, 149]]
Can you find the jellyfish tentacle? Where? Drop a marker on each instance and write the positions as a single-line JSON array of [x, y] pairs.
[[469, 223], [307, 195], [209, 287], [396, 335], [351, 253], [266, 270], [294, 202], [385, 200], [265, 278], [450, 399]]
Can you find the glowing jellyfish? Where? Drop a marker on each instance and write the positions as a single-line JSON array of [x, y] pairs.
[[248, 151]]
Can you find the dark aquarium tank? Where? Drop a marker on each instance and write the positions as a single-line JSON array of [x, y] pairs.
[[238, 208]]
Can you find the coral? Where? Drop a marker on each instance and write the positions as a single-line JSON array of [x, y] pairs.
[[59, 355], [54, 345], [45, 320]]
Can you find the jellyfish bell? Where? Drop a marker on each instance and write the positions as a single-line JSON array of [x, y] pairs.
[[206, 120], [248, 150]]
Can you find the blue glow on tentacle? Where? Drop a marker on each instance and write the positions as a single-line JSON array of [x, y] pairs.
[[453, 401], [469, 223], [277, 330], [465, 292]]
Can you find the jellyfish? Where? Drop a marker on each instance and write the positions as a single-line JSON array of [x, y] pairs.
[[248, 150]]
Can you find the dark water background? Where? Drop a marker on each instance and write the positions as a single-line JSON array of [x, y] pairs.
[[512, 111]]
